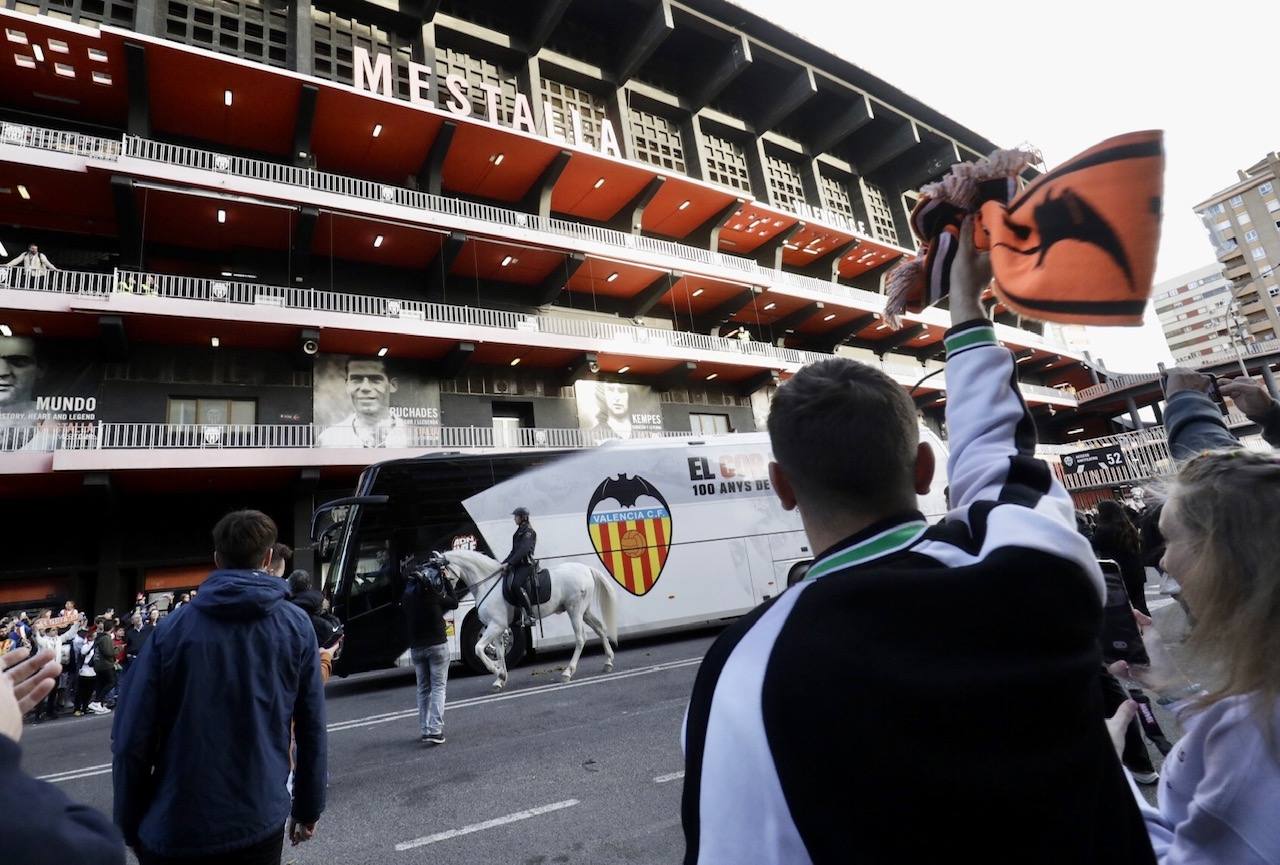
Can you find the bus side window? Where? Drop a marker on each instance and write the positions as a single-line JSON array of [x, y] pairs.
[[372, 579]]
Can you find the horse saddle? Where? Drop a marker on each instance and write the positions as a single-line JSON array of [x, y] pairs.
[[539, 588]]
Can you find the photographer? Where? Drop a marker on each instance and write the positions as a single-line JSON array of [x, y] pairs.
[[425, 599], [1193, 421]]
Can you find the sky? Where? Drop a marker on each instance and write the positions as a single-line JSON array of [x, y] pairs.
[[1073, 74]]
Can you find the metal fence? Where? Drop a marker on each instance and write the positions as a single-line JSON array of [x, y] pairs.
[[46, 437], [1146, 458]]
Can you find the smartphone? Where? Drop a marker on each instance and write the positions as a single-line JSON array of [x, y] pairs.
[[1214, 392], [1121, 640]]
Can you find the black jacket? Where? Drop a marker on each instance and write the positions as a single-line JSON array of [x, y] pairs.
[[522, 545], [424, 614], [134, 638], [312, 603], [41, 826]]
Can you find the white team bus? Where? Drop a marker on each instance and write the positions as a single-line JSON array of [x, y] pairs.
[[689, 529]]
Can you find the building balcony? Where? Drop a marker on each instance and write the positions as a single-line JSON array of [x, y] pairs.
[[146, 446], [497, 335], [253, 183]]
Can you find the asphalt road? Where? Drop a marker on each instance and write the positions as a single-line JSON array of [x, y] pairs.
[[542, 773]]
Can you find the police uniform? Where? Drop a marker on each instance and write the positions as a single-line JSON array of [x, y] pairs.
[[519, 561]]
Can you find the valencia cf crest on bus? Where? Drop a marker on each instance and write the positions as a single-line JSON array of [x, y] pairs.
[[630, 527]]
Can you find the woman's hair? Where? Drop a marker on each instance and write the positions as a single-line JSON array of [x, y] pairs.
[[1114, 530], [1229, 503]]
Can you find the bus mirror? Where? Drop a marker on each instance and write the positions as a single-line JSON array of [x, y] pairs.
[[328, 542], [343, 506]]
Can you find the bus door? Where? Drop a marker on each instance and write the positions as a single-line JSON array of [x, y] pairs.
[[371, 600]]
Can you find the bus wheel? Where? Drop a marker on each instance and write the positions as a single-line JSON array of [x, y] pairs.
[[797, 572], [516, 642]]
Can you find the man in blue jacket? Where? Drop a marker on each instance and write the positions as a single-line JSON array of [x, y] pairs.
[[201, 734]]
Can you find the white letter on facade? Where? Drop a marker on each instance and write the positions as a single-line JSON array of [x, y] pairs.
[[459, 104], [375, 76], [491, 95], [420, 85], [609, 139], [523, 118]]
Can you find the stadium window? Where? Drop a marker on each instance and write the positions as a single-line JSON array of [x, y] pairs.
[[1237, 201], [708, 424], [1251, 235], [1265, 188]]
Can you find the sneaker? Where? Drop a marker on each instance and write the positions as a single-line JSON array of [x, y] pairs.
[[434, 739], [99, 709], [1146, 777], [77, 713]]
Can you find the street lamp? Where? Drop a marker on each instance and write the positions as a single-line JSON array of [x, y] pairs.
[[1235, 326]]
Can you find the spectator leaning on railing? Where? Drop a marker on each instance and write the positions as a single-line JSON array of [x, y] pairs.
[[34, 263]]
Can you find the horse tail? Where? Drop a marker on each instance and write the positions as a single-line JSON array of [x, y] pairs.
[[608, 611]]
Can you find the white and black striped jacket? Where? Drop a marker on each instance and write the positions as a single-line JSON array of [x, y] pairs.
[[928, 694]]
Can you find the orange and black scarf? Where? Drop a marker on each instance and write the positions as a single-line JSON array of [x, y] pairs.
[[1077, 245]]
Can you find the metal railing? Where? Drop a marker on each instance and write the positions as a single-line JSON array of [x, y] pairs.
[[90, 146], [57, 281], [622, 336], [1146, 458], [1123, 381], [47, 436]]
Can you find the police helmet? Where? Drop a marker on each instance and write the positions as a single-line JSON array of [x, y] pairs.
[[521, 511]]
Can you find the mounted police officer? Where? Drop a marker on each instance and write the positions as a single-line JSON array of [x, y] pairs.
[[518, 566]]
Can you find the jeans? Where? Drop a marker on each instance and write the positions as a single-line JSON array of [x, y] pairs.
[[431, 667]]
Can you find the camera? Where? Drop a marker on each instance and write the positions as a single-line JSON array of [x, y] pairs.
[[1214, 393]]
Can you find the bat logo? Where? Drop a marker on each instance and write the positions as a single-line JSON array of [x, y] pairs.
[[1070, 217], [629, 522]]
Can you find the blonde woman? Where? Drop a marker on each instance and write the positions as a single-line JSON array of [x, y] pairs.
[[1219, 798]]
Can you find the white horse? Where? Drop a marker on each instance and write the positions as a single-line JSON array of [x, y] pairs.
[[573, 589]]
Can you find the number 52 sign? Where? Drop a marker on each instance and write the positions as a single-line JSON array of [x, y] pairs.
[[1093, 460]]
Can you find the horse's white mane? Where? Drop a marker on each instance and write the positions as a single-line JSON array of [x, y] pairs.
[[477, 562]]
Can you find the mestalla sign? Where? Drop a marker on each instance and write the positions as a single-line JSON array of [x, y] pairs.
[[374, 73]]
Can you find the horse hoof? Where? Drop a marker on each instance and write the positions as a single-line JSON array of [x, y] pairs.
[[566, 676], [608, 668], [497, 685]]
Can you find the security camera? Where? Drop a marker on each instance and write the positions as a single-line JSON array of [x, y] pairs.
[[310, 346]]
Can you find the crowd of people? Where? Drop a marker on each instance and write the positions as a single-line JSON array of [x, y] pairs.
[[927, 693], [92, 654]]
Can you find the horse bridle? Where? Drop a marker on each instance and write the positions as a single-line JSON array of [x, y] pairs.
[[443, 562]]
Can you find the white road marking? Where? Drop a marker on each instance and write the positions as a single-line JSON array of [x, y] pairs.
[[674, 776], [72, 774], [385, 717], [487, 824]]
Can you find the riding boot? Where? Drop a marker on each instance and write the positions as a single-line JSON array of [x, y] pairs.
[[527, 609]]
